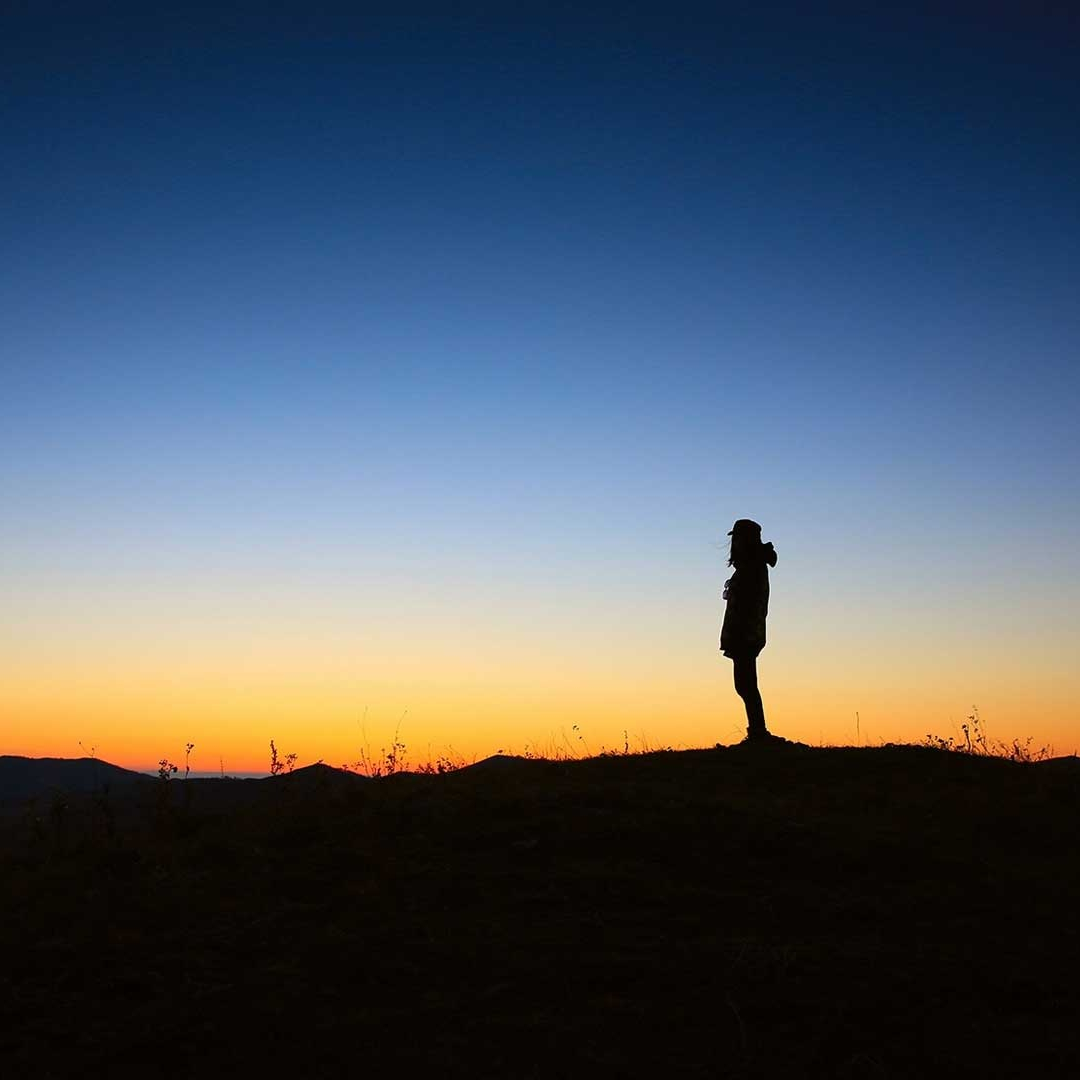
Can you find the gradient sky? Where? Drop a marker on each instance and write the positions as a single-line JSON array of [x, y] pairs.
[[419, 365]]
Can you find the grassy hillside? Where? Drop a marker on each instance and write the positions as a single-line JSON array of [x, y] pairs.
[[736, 912]]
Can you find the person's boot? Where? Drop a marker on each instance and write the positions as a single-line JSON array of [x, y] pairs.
[[755, 722], [756, 730]]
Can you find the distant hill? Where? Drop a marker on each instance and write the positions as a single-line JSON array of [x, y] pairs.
[[24, 777]]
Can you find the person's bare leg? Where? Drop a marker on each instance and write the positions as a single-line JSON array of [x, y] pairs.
[[747, 688]]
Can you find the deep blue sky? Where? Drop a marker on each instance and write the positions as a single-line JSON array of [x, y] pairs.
[[554, 296]]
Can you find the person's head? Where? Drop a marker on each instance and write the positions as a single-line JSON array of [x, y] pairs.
[[746, 545]]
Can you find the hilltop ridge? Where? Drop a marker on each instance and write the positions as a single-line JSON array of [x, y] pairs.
[[738, 911]]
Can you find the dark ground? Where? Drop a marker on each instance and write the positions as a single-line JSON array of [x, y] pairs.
[[890, 912]]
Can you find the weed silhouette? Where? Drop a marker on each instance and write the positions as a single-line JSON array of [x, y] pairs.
[[974, 740], [279, 765]]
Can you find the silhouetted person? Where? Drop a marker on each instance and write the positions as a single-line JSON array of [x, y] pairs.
[[743, 634]]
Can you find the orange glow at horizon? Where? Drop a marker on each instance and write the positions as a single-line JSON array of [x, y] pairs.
[[136, 721], [467, 673]]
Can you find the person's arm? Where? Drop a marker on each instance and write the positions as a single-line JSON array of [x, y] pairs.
[[735, 595]]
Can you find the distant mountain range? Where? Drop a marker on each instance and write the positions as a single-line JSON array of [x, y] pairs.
[[24, 777]]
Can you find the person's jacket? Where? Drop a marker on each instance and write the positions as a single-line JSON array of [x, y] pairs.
[[743, 632]]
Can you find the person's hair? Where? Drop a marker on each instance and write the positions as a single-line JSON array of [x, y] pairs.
[[747, 549]]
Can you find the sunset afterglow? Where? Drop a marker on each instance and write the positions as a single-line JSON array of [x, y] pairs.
[[406, 376]]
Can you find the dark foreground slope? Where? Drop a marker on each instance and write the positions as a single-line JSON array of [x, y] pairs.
[[887, 912]]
